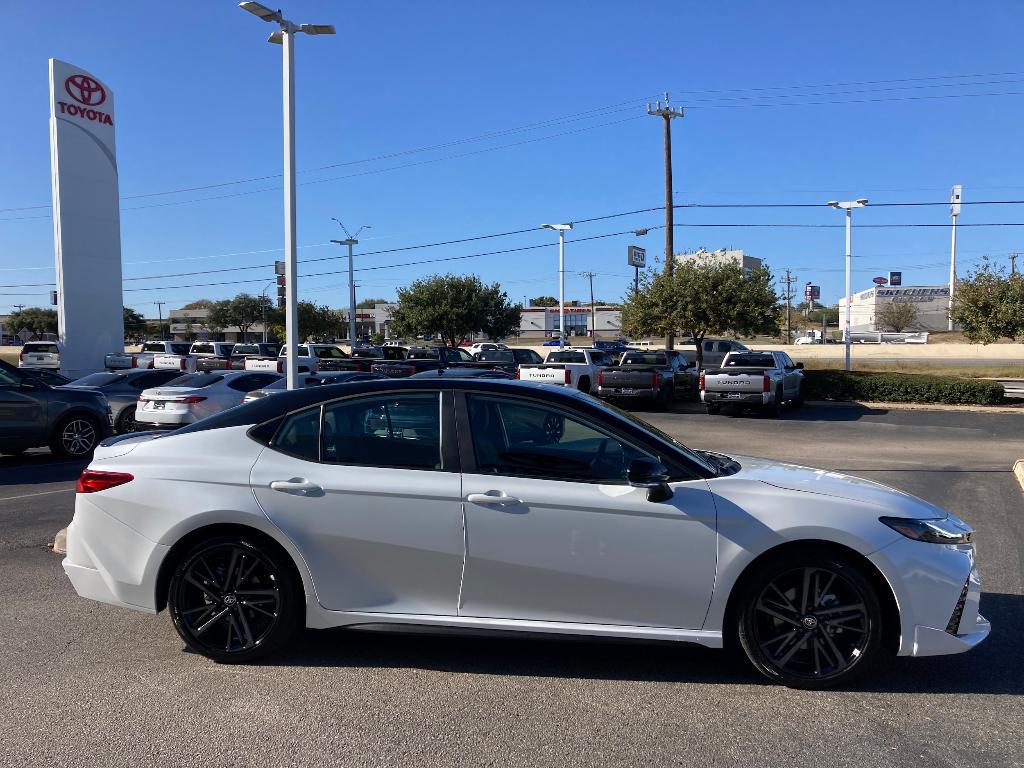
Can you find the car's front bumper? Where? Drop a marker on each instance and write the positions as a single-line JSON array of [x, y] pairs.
[[938, 592], [109, 561]]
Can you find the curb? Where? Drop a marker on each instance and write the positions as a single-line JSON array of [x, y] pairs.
[[1018, 472], [921, 406], [60, 542]]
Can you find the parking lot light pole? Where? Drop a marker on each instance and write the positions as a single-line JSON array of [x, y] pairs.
[[848, 207], [560, 229], [285, 37], [350, 240], [263, 306]]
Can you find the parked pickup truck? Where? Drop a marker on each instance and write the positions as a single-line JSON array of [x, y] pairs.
[[311, 358], [119, 361], [660, 376], [577, 368], [507, 360], [188, 362], [764, 380], [421, 359], [235, 358]]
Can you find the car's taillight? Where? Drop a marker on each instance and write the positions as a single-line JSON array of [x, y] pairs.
[[135, 362], [182, 364], [600, 378], [228, 365], [192, 400], [517, 374], [317, 366], [567, 375], [92, 480], [655, 380], [766, 383], [702, 382]]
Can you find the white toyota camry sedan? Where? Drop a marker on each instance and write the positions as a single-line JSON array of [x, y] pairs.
[[472, 504]]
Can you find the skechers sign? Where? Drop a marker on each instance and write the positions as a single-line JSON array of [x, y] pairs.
[[88, 93]]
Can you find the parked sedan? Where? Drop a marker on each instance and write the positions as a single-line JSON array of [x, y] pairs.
[[472, 505], [34, 414], [122, 390], [313, 380], [195, 396], [47, 376]]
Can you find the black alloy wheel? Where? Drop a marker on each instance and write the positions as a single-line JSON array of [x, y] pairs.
[[812, 625], [75, 437], [126, 421], [232, 601]]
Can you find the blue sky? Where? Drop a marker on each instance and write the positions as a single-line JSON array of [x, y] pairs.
[[783, 105]]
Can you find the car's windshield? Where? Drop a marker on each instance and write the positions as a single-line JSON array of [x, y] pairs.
[[735, 360], [567, 357], [245, 349], [642, 358], [367, 352], [97, 379], [194, 380], [204, 349]]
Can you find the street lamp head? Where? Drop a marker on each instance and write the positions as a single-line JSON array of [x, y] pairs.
[[640, 232], [317, 29], [834, 203], [277, 38], [862, 201], [557, 227], [258, 9]]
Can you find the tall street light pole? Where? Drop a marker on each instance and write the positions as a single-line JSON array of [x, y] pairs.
[[560, 229], [350, 240], [285, 37], [954, 211], [668, 114], [848, 207]]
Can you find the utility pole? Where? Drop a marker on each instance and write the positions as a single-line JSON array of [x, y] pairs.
[[954, 211], [1013, 265], [160, 311], [667, 113], [790, 279], [18, 307], [593, 311], [350, 240]]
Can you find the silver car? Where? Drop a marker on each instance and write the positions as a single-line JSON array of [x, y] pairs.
[[122, 390]]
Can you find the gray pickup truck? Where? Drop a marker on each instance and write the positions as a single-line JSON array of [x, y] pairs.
[[660, 376], [763, 380], [229, 357]]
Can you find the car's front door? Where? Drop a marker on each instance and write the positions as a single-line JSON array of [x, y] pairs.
[[22, 410], [554, 532], [367, 492]]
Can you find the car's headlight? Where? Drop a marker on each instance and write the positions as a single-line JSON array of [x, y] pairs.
[[948, 530]]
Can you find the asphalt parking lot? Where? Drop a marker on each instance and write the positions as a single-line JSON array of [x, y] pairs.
[[88, 684]]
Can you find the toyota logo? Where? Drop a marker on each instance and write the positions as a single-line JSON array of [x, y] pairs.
[[85, 90]]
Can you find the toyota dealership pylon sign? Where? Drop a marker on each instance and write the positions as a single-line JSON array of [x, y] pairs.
[[86, 218]]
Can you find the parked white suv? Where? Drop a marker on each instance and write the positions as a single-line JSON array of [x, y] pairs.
[[40, 354]]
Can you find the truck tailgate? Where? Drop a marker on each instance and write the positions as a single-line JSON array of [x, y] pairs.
[[735, 380], [548, 373]]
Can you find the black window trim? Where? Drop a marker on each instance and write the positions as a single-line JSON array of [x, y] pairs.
[[679, 469]]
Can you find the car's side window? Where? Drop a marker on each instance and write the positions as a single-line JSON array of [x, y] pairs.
[[709, 346], [527, 439], [724, 346], [402, 430], [299, 436]]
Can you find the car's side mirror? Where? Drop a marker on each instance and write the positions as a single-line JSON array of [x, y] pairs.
[[652, 475], [800, 366]]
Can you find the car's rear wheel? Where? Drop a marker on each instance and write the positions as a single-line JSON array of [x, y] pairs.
[[75, 437], [126, 420], [234, 601], [810, 621], [583, 385], [799, 399], [712, 409], [775, 409]]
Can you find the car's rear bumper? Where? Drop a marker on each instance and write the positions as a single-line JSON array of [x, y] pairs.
[[51, 365], [159, 420], [737, 398], [627, 393], [110, 562]]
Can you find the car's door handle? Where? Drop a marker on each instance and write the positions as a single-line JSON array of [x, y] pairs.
[[300, 487], [492, 497]]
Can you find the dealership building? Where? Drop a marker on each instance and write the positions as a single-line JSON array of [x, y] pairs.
[[932, 303]]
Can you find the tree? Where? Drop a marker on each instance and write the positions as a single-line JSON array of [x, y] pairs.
[[36, 319], [199, 304], [896, 315], [544, 301], [371, 303], [134, 325], [454, 307], [701, 298], [989, 305], [317, 322], [243, 311]]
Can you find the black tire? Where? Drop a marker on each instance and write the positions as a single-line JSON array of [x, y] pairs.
[[218, 619], [664, 399], [791, 625], [712, 409], [583, 385], [798, 401], [775, 409], [125, 421], [75, 437]]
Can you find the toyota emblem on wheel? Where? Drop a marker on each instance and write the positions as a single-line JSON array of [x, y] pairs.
[[85, 90]]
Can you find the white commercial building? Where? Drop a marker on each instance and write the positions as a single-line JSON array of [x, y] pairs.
[[732, 257], [542, 322], [932, 302]]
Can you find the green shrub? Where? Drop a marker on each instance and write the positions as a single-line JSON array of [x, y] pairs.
[[900, 388]]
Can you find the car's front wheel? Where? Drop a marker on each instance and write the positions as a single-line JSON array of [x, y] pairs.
[[75, 437], [810, 621], [234, 601]]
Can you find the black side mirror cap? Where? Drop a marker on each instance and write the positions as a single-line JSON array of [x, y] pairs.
[[652, 475], [800, 366]]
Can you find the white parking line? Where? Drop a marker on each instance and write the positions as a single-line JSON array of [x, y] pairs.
[[30, 495]]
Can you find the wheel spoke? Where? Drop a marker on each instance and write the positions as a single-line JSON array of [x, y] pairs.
[[249, 639], [823, 591], [247, 573], [212, 620], [201, 587], [806, 591], [780, 616], [841, 662], [226, 586], [259, 610], [788, 603]]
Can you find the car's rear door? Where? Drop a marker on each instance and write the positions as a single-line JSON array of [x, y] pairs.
[[375, 505], [554, 532]]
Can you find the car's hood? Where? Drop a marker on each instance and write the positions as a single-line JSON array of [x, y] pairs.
[[836, 484]]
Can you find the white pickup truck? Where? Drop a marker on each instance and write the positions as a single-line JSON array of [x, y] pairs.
[[311, 358], [575, 368], [186, 362], [763, 380], [119, 361]]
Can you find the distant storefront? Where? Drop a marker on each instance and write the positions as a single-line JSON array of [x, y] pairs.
[[932, 302], [542, 322]]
